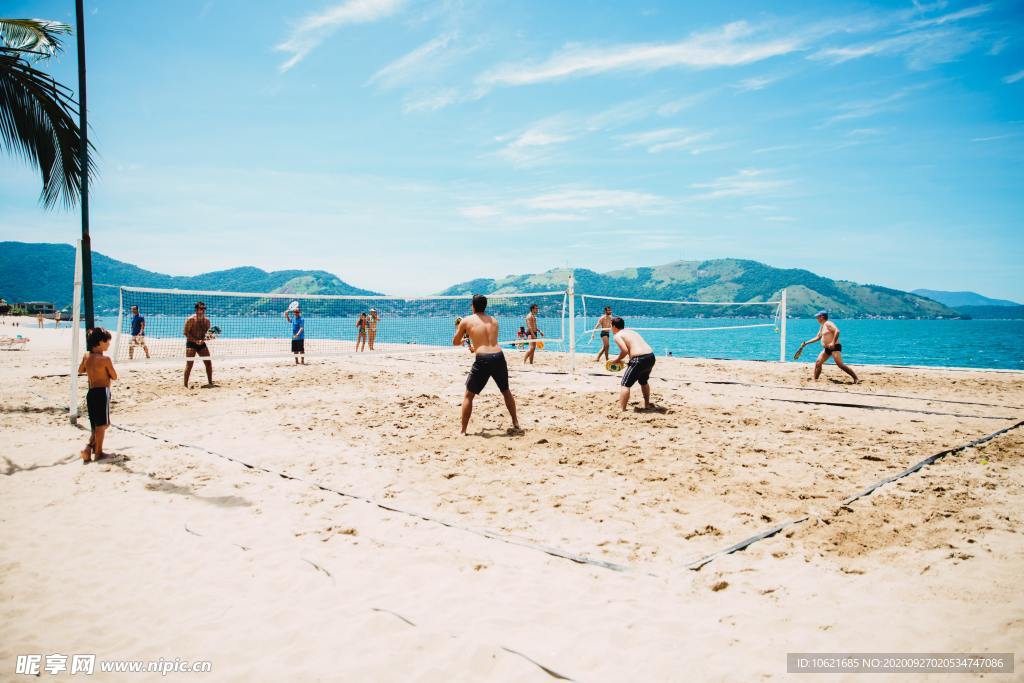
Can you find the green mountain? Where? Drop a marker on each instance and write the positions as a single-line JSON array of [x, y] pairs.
[[726, 280], [993, 312], [958, 300], [45, 272]]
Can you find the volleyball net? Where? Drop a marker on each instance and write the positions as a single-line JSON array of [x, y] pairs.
[[736, 329], [151, 322]]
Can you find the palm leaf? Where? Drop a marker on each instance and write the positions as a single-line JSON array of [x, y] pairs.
[[37, 123], [34, 36]]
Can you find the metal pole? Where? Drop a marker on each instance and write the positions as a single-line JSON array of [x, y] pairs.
[[75, 333], [782, 328], [120, 317], [572, 323], [83, 155]]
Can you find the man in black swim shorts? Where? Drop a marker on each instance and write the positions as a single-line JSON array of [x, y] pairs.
[[604, 323], [828, 333], [489, 362], [196, 329], [641, 362]]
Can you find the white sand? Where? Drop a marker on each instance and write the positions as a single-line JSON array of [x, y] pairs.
[[169, 551]]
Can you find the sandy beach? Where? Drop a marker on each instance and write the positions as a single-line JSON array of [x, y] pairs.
[[327, 522]]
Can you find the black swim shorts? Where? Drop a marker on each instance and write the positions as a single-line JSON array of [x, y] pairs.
[[298, 345], [98, 402], [835, 347], [638, 370], [604, 333], [485, 367], [198, 347]]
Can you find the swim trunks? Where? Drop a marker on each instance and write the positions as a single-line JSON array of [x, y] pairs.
[[198, 347], [485, 367], [835, 347], [98, 402], [604, 333], [298, 345], [638, 370]]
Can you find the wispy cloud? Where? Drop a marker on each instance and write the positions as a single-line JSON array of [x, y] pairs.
[[667, 139], [588, 200], [532, 144], [965, 13], [992, 138], [731, 45], [431, 100], [756, 83], [411, 66], [749, 182], [314, 28], [923, 42], [1014, 77], [863, 109]]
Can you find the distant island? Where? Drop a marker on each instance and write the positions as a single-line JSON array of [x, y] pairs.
[[44, 272], [962, 300], [727, 280]]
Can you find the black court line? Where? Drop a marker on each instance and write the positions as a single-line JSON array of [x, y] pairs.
[[511, 540], [862, 393], [886, 408], [931, 459], [694, 566]]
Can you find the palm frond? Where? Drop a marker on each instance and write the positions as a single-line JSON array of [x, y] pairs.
[[38, 124], [34, 36]]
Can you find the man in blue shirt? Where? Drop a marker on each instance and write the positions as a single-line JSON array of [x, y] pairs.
[[138, 333], [294, 316]]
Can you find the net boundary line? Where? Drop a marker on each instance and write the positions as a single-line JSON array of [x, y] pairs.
[[554, 552], [930, 460], [511, 540], [689, 303]]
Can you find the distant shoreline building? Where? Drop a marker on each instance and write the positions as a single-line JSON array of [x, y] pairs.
[[36, 307]]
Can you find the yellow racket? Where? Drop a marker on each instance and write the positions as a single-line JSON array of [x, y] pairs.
[[612, 366]]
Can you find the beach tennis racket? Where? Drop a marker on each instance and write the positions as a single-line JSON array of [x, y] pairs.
[[798, 352], [612, 366]]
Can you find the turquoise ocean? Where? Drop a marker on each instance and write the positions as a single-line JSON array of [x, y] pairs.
[[952, 343]]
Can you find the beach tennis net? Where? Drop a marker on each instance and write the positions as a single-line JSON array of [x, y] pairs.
[[250, 325], [740, 328]]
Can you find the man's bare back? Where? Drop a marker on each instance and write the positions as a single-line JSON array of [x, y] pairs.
[[483, 332], [632, 343]]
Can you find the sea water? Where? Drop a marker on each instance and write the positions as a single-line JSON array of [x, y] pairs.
[[954, 343]]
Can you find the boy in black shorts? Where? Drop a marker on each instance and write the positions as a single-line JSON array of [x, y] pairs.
[[641, 362], [101, 373]]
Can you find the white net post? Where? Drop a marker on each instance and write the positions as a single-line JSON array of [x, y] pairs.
[[120, 317], [75, 334], [782, 327], [572, 323]]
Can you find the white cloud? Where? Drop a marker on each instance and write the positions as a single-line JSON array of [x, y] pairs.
[[532, 144], [409, 67], [666, 139], [756, 83], [965, 13], [312, 29], [748, 182], [1014, 77], [589, 200], [431, 101], [730, 45], [866, 108]]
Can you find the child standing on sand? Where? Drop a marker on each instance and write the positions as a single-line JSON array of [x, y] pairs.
[[101, 373]]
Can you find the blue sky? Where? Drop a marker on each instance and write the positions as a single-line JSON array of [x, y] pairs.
[[409, 145]]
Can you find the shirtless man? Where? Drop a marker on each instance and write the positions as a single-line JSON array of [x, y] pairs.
[[482, 330], [371, 327], [828, 333], [605, 325], [531, 332], [195, 331], [641, 362]]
